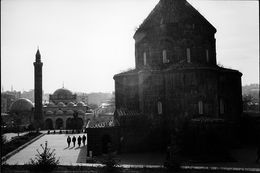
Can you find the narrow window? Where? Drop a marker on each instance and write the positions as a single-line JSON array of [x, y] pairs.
[[165, 60], [144, 58], [221, 107], [188, 55], [207, 55], [159, 108], [200, 107]]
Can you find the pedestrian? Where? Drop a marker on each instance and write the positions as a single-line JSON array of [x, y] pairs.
[[258, 153], [79, 141], [84, 139], [74, 140], [68, 141]]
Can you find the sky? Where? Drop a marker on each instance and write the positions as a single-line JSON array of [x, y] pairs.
[[84, 43]]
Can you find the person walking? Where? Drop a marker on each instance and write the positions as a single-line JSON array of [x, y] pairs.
[[74, 140], [79, 141], [258, 153], [68, 141], [84, 139]]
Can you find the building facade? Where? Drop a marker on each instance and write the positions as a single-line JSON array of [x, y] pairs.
[[176, 75], [60, 112]]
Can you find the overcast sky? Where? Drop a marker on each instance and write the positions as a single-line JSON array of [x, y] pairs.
[[84, 43]]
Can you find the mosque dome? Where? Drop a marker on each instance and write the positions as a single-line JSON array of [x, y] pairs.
[[51, 104], [70, 112], [71, 104], [49, 112], [21, 105], [81, 112], [62, 92], [59, 112], [81, 104], [61, 104]]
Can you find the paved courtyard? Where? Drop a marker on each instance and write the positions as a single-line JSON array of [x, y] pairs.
[[67, 156]]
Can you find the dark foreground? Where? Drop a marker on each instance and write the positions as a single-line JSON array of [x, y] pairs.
[[83, 169]]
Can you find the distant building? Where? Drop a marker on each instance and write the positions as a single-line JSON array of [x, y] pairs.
[[82, 97], [28, 94], [176, 76], [98, 98], [7, 98]]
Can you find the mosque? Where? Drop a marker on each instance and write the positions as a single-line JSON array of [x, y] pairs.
[[61, 112]]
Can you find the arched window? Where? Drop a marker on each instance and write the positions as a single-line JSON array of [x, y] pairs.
[[165, 60], [159, 108], [200, 107], [207, 55], [144, 56], [188, 55]]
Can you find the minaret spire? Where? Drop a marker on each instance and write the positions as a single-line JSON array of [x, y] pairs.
[[38, 114], [38, 55]]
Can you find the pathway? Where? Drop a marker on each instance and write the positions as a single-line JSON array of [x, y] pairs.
[[58, 142]]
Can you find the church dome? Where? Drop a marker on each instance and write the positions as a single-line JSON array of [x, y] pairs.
[[71, 104], [21, 105], [62, 92], [81, 104], [61, 104]]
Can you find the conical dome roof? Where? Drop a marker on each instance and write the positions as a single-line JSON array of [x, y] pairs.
[[173, 11]]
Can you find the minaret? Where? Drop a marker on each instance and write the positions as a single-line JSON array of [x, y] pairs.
[[38, 116]]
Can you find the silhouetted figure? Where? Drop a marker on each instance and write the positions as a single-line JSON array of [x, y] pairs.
[[74, 140], [79, 141], [168, 154], [68, 141], [258, 153], [84, 139]]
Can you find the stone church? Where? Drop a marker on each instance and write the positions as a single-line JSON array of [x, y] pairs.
[[175, 75]]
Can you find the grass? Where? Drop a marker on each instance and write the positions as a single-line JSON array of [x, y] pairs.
[[17, 142]]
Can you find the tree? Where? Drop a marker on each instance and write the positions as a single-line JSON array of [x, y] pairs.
[[45, 161]]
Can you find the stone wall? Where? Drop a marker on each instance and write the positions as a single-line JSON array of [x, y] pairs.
[[98, 138]]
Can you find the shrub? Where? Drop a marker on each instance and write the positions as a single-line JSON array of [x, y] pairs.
[[45, 161]]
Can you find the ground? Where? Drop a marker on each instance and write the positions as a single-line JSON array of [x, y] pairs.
[[244, 156], [67, 156]]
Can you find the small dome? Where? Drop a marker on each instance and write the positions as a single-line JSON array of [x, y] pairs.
[[49, 113], [61, 104], [81, 112], [59, 112], [70, 112], [71, 104], [62, 92], [81, 104], [21, 105], [51, 104]]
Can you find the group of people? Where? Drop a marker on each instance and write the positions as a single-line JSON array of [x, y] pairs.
[[73, 140]]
